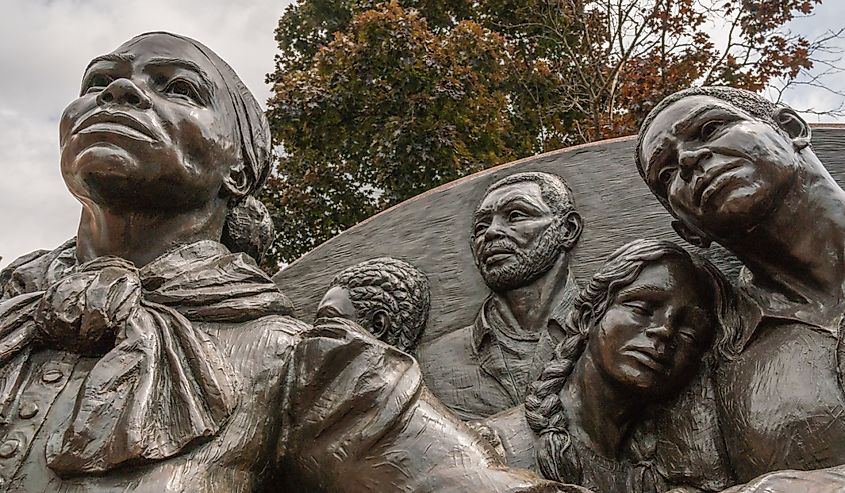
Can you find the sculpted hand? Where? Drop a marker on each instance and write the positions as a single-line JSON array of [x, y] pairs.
[[83, 311], [819, 481]]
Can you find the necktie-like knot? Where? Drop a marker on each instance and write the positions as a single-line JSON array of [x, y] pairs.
[[84, 311]]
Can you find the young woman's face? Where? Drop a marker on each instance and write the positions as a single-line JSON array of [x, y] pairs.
[[656, 329]]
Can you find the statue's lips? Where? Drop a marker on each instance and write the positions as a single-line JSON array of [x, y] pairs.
[[648, 357], [712, 180], [495, 255], [116, 123]]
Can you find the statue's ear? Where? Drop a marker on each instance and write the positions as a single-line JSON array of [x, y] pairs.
[[588, 321], [691, 236], [237, 183], [795, 126], [571, 229], [379, 323]]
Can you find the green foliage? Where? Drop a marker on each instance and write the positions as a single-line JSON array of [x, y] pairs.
[[309, 25], [388, 109], [377, 102]]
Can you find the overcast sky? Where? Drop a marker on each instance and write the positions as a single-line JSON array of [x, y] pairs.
[[46, 44]]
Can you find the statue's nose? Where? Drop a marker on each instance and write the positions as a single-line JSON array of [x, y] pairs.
[[123, 92], [495, 231], [690, 160]]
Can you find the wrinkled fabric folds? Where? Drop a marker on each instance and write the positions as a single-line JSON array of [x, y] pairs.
[[160, 383]]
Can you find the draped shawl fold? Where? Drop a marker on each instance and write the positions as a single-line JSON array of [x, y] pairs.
[[160, 382]]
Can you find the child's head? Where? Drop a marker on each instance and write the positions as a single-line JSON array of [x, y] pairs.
[[388, 297]]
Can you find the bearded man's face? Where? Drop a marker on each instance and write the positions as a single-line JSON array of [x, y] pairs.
[[516, 237]]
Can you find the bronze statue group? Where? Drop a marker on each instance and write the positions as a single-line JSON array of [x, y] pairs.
[[150, 353]]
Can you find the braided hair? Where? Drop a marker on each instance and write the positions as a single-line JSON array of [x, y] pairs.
[[544, 410], [394, 286]]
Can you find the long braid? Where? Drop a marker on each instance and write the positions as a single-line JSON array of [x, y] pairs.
[[546, 416], [544, 410]]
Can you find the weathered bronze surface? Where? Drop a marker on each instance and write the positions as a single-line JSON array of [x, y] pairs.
[[432, 230], [523, 229], [603, 411], [151, 354], [742, 184], [736, 169]]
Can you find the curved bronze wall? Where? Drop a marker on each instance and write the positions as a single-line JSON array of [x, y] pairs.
[[432, 230]]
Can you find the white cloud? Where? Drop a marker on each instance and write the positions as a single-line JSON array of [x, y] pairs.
[[828, 17]]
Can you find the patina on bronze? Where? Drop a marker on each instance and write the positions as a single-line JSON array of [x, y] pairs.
[[739, 170], [524, 228], [635, 340], [387, 296], [145, 356]]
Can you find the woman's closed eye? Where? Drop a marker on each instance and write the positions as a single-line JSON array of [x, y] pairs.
[[688, 335], [642, 308]]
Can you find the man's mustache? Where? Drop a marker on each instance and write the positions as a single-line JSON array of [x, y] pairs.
[[497, 247]]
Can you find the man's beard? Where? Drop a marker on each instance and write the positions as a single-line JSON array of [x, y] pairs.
[[529, 265]]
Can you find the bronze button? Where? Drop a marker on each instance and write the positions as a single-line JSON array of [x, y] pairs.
[[52, 375], [28, 410], [9, 448]]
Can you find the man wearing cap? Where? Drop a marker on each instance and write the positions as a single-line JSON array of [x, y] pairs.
[[737, 169]]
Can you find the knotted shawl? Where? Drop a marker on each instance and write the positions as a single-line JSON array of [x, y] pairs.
[[160, 382]]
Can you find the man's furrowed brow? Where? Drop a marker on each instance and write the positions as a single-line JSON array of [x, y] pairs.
[[186, 64], [111, 57], [519, 199], [682, 125], [482, 213]]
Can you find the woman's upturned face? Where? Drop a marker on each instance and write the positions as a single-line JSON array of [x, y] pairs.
[[151, 128], [656, 329]]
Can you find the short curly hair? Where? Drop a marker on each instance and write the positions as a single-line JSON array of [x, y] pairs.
[[392, 285], [554, 190]]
